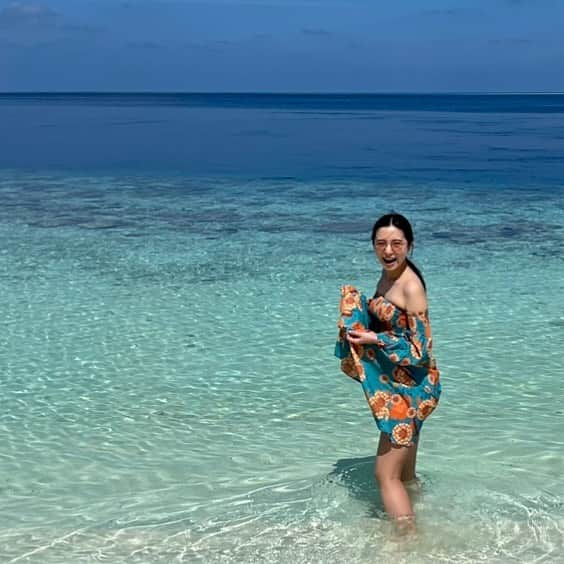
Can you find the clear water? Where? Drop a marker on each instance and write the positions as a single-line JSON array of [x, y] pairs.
[[169, 391]]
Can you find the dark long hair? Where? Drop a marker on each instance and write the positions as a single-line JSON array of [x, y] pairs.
[[399, 221]]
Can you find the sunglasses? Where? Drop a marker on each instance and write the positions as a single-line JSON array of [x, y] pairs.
[[396, 244]]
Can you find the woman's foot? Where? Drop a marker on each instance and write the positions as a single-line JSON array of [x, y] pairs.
[[405, 524]]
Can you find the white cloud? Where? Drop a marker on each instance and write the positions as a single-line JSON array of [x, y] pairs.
[[23, 14]]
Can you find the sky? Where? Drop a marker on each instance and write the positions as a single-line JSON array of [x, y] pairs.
[[282, 45]]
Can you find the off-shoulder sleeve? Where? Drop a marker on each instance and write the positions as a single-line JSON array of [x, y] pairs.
[[410, 346], [353, 310], [342, 346]]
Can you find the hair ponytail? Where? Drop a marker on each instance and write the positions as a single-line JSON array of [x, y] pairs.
[[418, 272]]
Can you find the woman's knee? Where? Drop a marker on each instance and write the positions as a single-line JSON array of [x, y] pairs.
[[384, 473]]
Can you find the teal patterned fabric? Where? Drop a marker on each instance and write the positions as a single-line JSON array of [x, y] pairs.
[[398, 374]]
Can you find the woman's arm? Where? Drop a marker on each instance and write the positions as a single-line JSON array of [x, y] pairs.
[[411, 346]]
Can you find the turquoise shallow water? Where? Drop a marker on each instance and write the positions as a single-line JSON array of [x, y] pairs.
[[170, 393]]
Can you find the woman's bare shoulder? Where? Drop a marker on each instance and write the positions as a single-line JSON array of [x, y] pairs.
[[414, 293]]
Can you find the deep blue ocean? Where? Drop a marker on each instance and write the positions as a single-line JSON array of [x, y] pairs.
[[515, 139], [170, 268]]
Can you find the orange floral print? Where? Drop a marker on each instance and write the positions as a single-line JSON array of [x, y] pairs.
[[386, 312], [425, 408], [402, 376], [353, 368], [402, 434], [382, 309], [401, 321], [350, 300], [379, 404], [399, 407], [427, 329], [384, 414], [433, 377], [359, 350], [358, 365], [415, 350], [399, 375], [349, 367]]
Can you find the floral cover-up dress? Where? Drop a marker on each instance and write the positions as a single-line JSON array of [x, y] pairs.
[[399, 375]]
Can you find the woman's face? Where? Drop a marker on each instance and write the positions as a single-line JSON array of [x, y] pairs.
[[391, 248]]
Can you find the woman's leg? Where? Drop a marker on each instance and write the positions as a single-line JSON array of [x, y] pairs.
[[408, 471], [390, 464]]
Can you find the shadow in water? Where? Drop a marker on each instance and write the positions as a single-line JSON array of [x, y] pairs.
[[357, 475]]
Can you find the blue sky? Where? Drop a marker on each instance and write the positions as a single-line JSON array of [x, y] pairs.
[[282, 46]]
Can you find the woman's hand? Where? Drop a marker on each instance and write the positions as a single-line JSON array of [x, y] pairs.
[[362, 337]]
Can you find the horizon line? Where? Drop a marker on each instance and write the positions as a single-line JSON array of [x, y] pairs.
[[286, 93]]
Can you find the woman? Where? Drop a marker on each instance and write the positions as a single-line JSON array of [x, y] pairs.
[[385, 343]]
